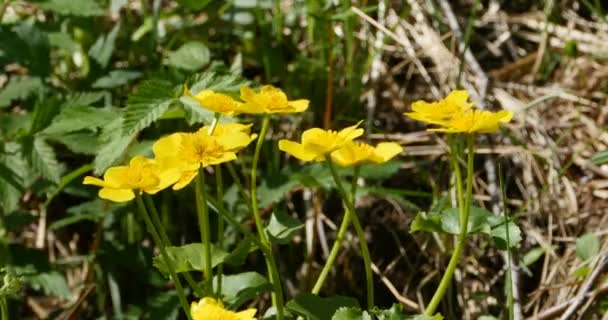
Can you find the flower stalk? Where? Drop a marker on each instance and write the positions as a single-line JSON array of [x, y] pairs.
[[350, 214], [464, 205], [203, 223], [157, 240], [277, 294]]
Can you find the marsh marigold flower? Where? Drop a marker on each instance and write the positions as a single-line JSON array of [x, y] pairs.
[[269, 100], [120, 183], [317, 143], [215, 101], [441, 111], [187, 152], [357, 153], [455, 115], [211, 309], [475, 121]]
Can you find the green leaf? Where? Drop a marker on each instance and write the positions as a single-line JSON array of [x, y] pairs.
[[478, 220], [84, 142], [26, 45], [587, 246], [283, 227], [82, 8], [239, 288], [380, 171], [274, 188], [82, 99], [79, 118], [313, 307], [116, 78], [114, 146], [394, 313], [164, 306], [190, 56], [582, 272], [499, 235], [19, 88], [195, 113], [51, 283], [535, 253], [425, 317], [217, 77], [14, 172], [102, 49], [42, 158], [427, 222], [44, 113], [239, 254], [346, 313], [600, 157], [189, 257], [146, 105]]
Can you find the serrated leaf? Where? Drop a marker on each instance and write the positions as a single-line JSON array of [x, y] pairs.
[[84, 142], [51, 283], [82, 99], [19, 88], [195, 113], [600, 157], [190, 56], [116, 78], [44, 113], [114, 146], [102, 49], [217, 77], [345, 313], [189, 257], [26, 45], [42, 158], [147, 105], [239, 288], [15, 172], [313, 307], [79, 118], [82, 8], [283, 227], [587, 246]]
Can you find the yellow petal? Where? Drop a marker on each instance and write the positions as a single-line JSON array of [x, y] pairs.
[[94, 181], [168, 146], [299, 105], [388, 150], [224, 157], [352, 132], [248, 314], [504, 116], [295, 149], [458, 97], [117, 176], [117, 195], [185, 179], [247, 94]]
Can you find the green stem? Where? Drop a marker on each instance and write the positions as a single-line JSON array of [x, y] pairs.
[[237, 180], [180, 291], [220, 224], [216, 120], [277, 294], [167, 242], [333, 254], [350, 211], [464, 205], [4, 308], [203, 224]]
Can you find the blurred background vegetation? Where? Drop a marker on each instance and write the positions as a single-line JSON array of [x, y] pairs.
[[87, 83]]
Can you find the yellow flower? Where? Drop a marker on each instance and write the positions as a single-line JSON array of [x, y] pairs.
[[316, 143], [441, 111], [187, 152], [269, 100], [120, 183], [215, 101], [476, 121], [211, 309], [223, 129], [356, 153]]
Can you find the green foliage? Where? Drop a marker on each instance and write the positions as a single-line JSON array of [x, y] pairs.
[[600, 157], [282, 227], [75, 8], [102, 49], [190, 56], [189, 257], [146, 105], [42, 158], [480, 221], [116, 78], [240, 288], [19, 88], [587, 246], [313, 307]]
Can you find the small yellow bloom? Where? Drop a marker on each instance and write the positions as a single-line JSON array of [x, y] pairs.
[[211, 309], [187, 152], [357, 153], [441, 111], [120, 183], [223, 129], [475, 121], [316, 143], [215, 101], [269, 100]]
